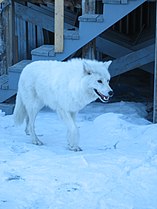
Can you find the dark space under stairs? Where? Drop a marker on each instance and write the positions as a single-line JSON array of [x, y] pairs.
[[73, 41]]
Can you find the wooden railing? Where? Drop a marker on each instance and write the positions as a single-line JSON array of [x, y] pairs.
[[88, 6]]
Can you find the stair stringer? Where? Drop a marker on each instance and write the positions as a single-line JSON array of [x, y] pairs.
[[90, 30]]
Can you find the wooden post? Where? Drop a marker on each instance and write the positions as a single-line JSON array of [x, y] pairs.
[[3, 63], [11, 34], [59, 25], [1, 35], [2, 71], [155, 77], [88, 51], [88, 6]]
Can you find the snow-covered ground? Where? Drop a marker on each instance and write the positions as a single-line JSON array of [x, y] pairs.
[[117, 168]]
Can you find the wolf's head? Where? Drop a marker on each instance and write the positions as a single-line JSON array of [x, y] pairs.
[[97, 79]]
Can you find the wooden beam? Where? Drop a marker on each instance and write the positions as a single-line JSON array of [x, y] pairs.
[[11, 20], [155, 77], [59, 25], [132, 60], [88, 51], [37, 17], [34, 17], [38, 1]]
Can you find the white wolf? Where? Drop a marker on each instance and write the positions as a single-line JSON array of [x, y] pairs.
[[65, 87]]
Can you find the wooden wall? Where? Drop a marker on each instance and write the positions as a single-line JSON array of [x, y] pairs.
[[28, 35], [6, 37]]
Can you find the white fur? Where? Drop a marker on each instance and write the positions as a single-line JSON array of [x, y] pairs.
[[65, 87]]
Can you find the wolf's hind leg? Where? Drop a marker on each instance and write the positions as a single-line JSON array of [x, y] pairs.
[[30, 122], [27, 129]]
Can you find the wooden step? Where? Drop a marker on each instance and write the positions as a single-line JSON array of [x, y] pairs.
[[6, 94], [115, 1], [40, 17], [94, 24], [7, 108], [44, 52], [14, 73], [71, 34], [91, 18], [4, 82]]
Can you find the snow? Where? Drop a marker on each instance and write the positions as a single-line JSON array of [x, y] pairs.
[[117, 168]]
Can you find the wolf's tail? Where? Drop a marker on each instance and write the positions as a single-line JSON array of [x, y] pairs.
[[19, 111]]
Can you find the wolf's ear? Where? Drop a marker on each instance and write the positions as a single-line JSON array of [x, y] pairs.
[[86, 68], [107, 64]]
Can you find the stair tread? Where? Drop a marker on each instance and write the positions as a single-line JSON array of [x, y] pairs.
[[115, 1], [44, 50], [18, 67], [7, 108], [71, 34], [91, 18], [3, 81]]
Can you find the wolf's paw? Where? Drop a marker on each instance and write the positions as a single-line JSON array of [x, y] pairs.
[[75, 149], [27, 132], [38, 142]]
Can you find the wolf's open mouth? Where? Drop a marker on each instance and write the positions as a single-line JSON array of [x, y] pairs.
[[101, 96]]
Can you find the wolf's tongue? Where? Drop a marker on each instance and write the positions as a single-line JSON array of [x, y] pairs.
[[103, 97]]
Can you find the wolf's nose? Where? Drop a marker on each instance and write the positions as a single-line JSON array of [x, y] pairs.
[[110, 93]]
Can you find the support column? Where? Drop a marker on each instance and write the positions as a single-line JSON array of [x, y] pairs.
[[155, 76], [2, 45], [88, 51], [59, 25]]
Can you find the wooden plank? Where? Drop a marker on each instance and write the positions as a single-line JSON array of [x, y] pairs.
[[133, 60], [91, 18], [7, 108], [155, 77], [3, 81], [124, 1], [21, 34], [31, 43], [111, 1], [88, 15], [8, 21], [14, 73], [59, 25], [69, 16], [24, 39], [6, 94], [2, 47], [40, 37], [36, 17], [44, 52]]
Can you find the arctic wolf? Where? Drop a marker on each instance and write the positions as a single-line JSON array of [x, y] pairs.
[[65, 87]]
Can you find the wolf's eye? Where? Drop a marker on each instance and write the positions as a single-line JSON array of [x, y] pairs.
[[99, 81]]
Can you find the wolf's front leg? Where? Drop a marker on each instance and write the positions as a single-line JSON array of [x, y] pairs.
[[73, 133], [73, 139]]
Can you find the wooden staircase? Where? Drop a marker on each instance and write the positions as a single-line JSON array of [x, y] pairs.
[[90, 27]]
